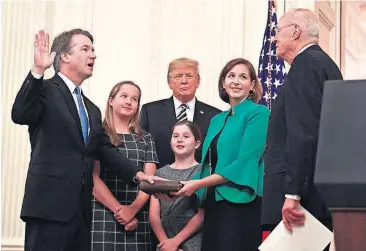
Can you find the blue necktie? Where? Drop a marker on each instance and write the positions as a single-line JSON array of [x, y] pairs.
[[82, 114]]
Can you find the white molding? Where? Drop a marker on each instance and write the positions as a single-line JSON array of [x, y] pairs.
[[292, 4], [336, 34], [326, 20], [12, 244], [329, 15], [12, 247]]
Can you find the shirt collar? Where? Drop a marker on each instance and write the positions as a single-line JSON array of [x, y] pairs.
[[68, 82], [304, 48], [191, 104]]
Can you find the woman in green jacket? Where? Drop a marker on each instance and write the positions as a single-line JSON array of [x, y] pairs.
[[229, 184]]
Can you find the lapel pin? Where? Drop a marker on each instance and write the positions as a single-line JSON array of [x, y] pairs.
[[201, 112]]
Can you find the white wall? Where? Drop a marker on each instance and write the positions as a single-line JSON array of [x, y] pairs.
[[134, 40]]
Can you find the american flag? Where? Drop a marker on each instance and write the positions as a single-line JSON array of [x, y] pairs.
[[271, 70]]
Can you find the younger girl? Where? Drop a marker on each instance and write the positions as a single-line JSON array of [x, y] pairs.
[[176, 223]]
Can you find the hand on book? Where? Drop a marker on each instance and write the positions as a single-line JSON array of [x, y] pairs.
[[141, 176], [160, 186], [188, 189]]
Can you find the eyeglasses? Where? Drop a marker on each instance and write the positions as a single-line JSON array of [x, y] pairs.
[[278, 29]]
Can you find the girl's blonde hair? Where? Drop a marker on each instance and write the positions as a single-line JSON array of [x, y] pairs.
[[108, 123]]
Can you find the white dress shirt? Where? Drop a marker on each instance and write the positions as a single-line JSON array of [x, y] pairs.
[[306, 46], [72, 87], [190, 108]]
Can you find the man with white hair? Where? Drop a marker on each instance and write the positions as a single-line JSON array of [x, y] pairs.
[[293, 127]]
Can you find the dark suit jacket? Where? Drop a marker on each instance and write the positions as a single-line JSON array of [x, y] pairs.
[[60, 169], [158, 118], [292, 137]]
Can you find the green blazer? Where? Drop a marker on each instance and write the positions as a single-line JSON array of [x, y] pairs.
[[240, 148]]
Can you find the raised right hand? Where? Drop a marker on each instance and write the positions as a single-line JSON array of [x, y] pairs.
[[42, 57]]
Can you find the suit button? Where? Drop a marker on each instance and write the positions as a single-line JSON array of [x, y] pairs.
[[266, 146]]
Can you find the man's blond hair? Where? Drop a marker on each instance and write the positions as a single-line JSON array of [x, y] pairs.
[[183, 62]]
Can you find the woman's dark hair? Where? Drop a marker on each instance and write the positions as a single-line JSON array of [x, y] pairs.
[[257, 89], [193, 127]]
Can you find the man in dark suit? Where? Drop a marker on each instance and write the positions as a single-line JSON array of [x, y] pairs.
[[66, 137], [294, 123], [159, 117]]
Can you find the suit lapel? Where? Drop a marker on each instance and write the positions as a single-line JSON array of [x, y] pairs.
[[66, 94], [169, 112], [199, 114]]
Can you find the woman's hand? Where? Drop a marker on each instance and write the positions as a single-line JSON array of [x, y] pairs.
[[189, 188]]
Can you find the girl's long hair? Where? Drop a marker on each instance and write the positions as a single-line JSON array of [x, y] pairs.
[[108, 123]]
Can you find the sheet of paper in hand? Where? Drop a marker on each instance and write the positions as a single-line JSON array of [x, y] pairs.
[[312, 236]]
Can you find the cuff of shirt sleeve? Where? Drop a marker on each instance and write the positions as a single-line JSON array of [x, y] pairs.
[[36, 75], [293, 196], [135, 180]]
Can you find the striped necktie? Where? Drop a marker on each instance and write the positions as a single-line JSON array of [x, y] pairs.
[[82, 114], [182, 116]]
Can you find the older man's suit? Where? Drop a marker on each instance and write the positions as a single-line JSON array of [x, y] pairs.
[[292, 137]]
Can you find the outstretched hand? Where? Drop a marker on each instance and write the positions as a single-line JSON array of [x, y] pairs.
[[43, 59], [189, 188], [141, 176]]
